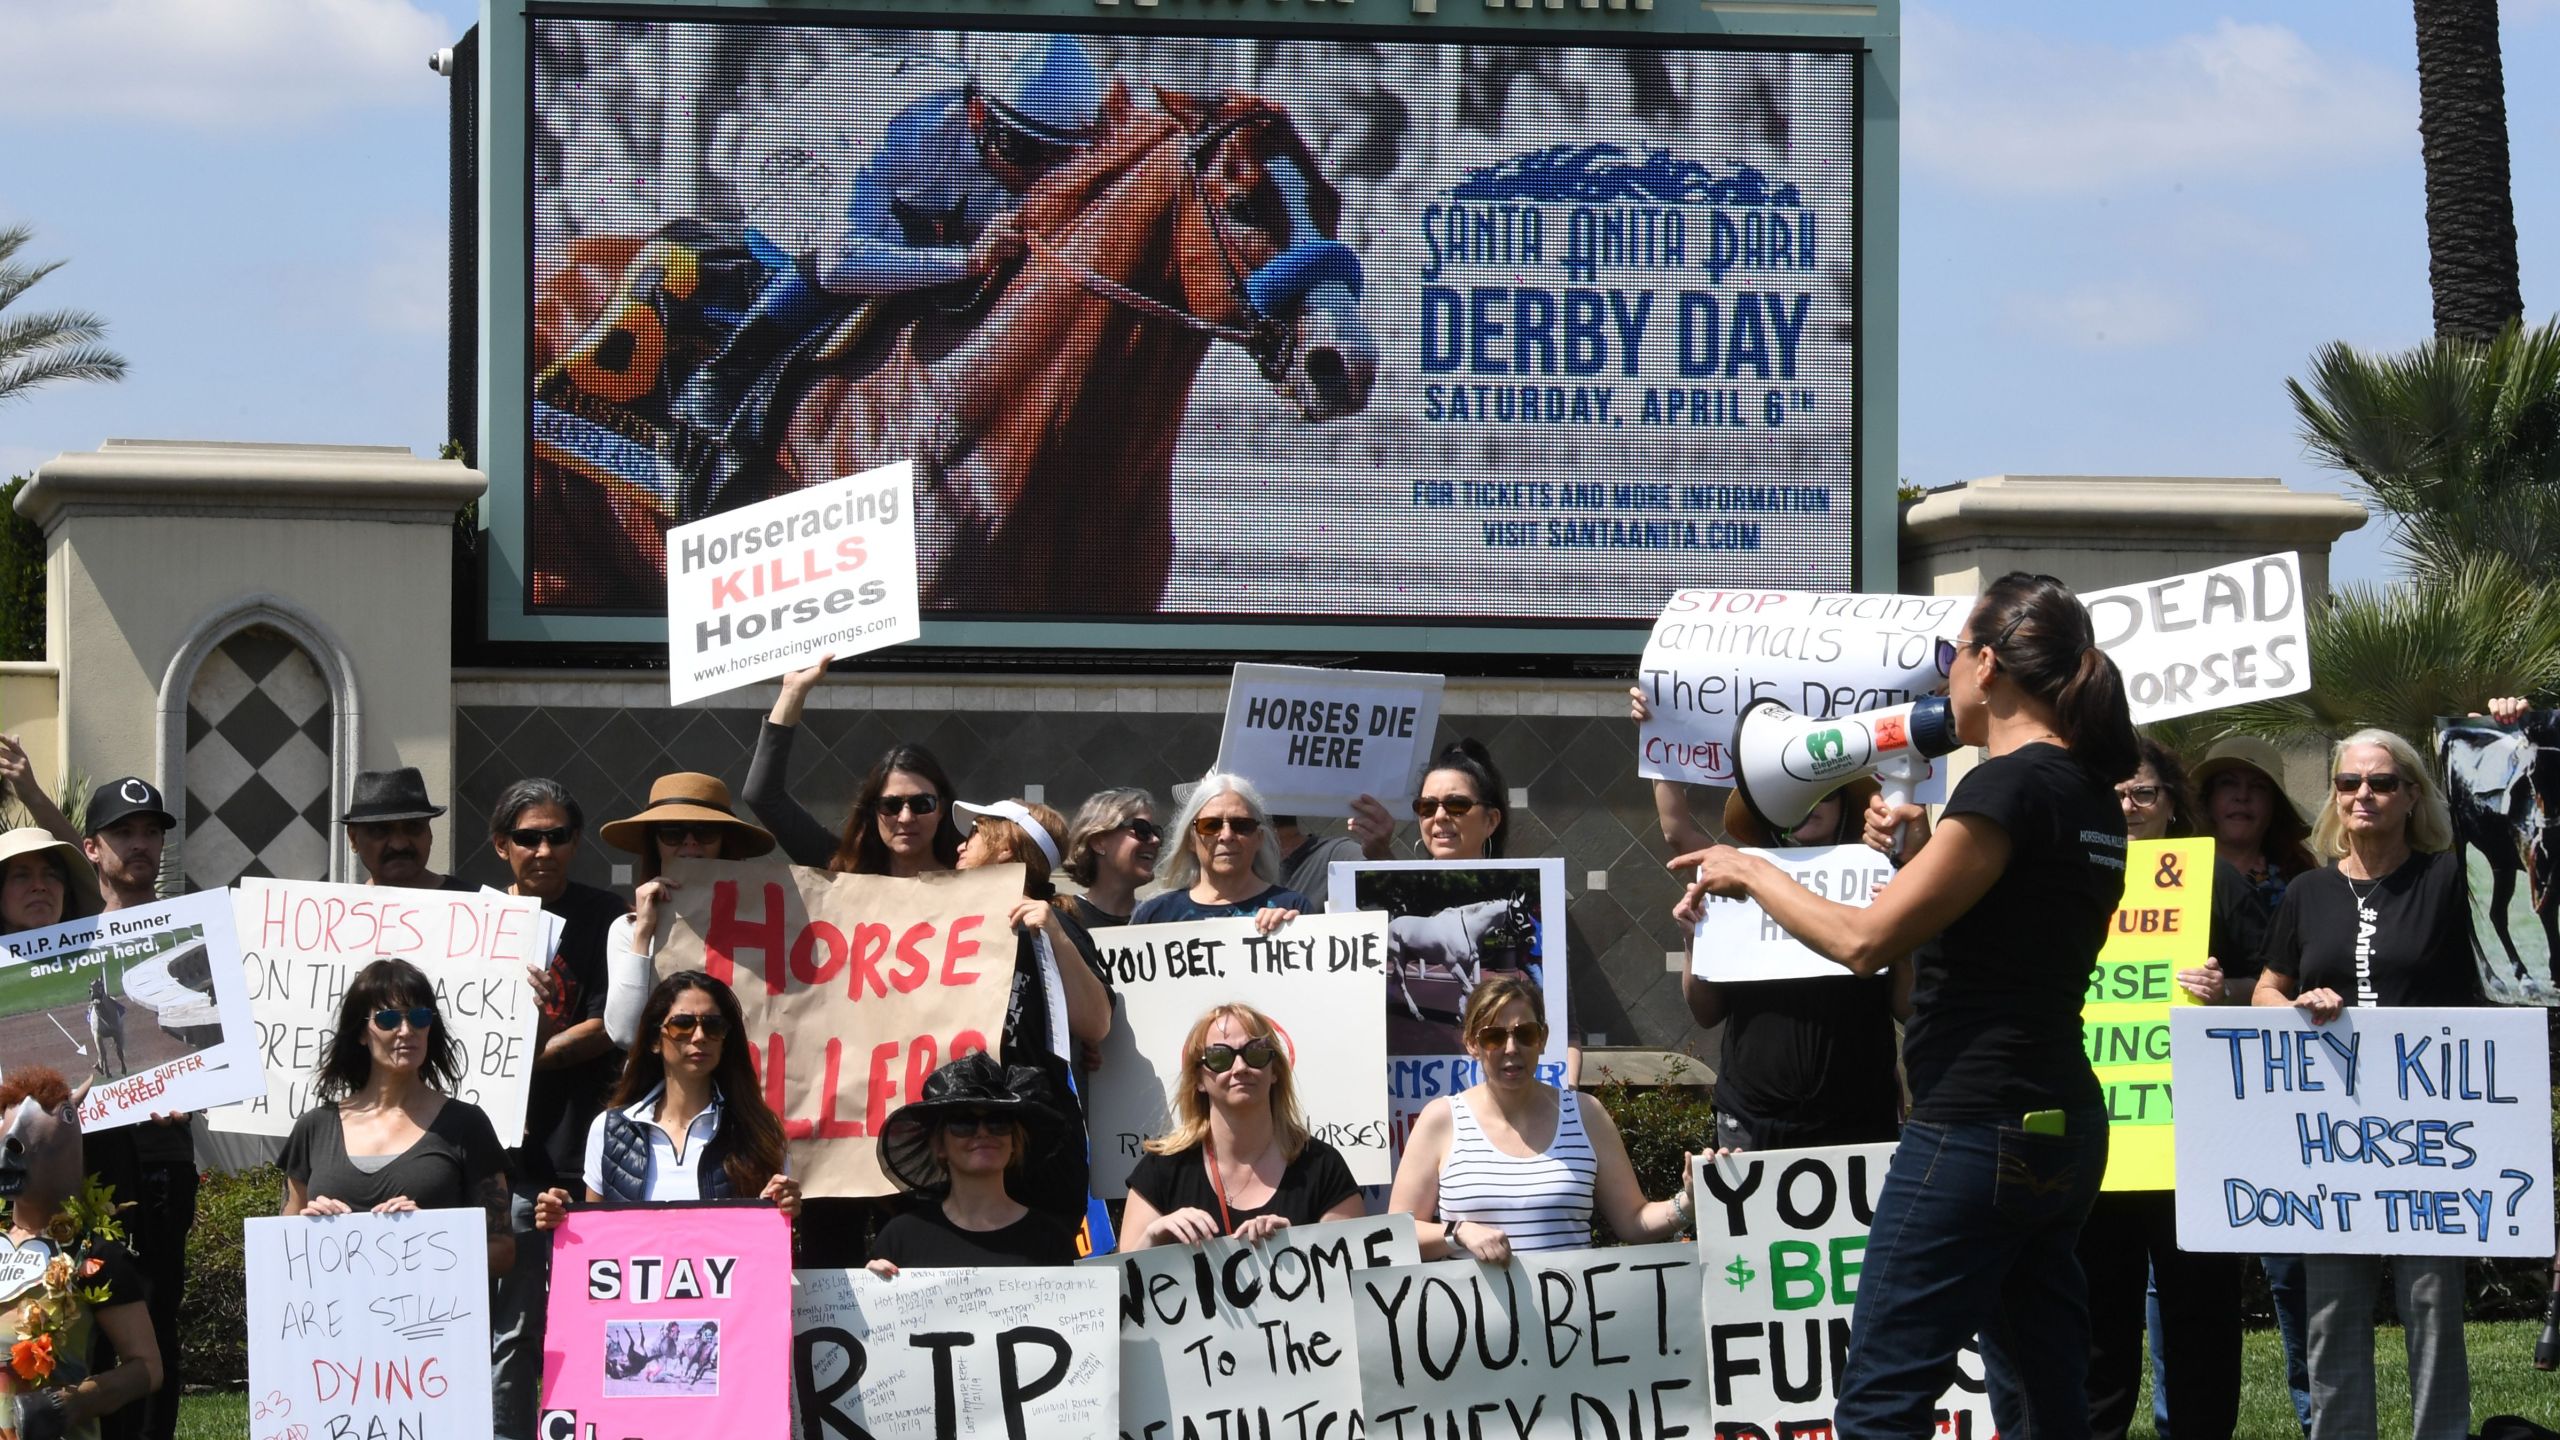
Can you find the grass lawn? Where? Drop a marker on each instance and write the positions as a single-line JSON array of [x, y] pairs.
[[2503, 1382]]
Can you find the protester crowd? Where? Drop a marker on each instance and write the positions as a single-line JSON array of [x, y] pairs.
[[1979, 954]]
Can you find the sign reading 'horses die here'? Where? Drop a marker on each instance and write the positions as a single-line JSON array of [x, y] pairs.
[[769, 587]]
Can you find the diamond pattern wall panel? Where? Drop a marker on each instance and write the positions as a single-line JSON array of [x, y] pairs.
[[1585, 802], [258, 764]]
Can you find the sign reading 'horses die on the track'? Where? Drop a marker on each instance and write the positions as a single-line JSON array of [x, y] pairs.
[[769, 587], [1312, 741]]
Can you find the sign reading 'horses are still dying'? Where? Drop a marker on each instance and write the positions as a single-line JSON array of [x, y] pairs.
[[769, 587]]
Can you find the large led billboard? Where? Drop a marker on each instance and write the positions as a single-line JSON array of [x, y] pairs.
[[1311, 327]]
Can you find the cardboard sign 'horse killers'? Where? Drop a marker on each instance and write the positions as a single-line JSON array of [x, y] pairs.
[[856, 987]]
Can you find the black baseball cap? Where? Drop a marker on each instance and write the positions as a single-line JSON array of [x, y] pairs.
[[123, 799]]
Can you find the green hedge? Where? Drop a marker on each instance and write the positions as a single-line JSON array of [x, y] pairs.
[[213, 1320]]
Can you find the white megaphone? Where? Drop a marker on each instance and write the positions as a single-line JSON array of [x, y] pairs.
[[1785, 763]]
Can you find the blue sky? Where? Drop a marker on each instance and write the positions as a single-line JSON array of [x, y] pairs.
[[2123, 226]]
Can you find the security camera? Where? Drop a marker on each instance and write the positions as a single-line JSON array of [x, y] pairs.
[[441, 62]]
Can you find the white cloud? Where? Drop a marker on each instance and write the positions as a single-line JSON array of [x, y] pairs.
[[2102, 318], [217, 62], [2008, 111]]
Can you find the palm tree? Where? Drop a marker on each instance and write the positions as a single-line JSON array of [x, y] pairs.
[[49, 345], [2462, 130]]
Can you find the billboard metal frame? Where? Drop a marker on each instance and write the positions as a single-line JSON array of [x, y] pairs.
[[1872, 31]]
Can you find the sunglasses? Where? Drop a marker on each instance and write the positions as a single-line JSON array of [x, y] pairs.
[[1456, 806], [420, 1017], [558, 838], [677, 832], [1256, 1055], [1528, 1034], [1947, 651], [1145, 832], [681, 1027], [2145, 796], [2384, 782], [919, 804], [977, 1123], [1208, 826]]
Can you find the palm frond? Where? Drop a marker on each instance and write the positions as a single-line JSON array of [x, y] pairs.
[[46, 330], [19, 379], [16, 280]]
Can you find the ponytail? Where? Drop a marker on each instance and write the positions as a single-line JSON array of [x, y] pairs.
[[2042, 636], [1468, 757]]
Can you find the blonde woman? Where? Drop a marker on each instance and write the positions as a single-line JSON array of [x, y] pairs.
[[1239, 1160]]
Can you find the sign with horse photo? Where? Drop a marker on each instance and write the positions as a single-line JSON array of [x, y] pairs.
[[1292, 328]]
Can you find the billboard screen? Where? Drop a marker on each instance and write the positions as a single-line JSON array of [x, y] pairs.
[[1178, 327]]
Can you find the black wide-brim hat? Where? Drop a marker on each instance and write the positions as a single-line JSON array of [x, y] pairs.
[[975, 1082]]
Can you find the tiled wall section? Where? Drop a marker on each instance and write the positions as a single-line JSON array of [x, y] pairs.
[[1570, 747]]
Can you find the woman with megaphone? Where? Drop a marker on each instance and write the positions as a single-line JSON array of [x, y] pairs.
[[1975, 1227]]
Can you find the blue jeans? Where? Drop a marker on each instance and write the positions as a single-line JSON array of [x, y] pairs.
[[2292, 1294], [1975, 1232]]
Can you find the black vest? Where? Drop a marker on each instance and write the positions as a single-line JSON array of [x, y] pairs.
[[626, 1160]]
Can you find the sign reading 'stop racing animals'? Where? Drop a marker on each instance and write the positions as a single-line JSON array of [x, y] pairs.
[[1476, 332]]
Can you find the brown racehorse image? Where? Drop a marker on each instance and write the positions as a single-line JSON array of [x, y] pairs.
[[1042, 417]]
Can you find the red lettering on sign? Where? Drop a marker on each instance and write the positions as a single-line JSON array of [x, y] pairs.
[[730, 933]]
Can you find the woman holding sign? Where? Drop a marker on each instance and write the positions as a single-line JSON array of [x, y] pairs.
[[2388, 922], [977, 1124], [1459, 809], [1227, 865], [388, 1134], [1239, 1160], [1976, 1223], [688, 817], [1512, 1163]]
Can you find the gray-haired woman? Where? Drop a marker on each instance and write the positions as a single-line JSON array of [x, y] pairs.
[[1112, 848], [1227, 864]]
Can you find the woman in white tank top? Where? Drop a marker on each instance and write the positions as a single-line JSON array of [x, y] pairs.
[[1511, 1164]]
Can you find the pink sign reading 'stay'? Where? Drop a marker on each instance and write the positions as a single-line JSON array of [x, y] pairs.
[[668, 1321]]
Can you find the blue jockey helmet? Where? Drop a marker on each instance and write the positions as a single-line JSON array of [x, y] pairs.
[[1053, 94]]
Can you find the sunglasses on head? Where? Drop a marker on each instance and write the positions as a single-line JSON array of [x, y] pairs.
[[1145, 832], [1457, 806], [924, 803], [977, 1122], [681, 1027], [1256, 1054], [677, 832], [1530, 1035], [2384, 782], [420, 1017], [1208, 826], [557, 837]]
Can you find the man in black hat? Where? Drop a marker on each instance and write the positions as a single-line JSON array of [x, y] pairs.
[[389, 827], [127, 832]]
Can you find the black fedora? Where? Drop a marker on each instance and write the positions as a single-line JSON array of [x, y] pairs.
[[385, 795], [973, 1084]]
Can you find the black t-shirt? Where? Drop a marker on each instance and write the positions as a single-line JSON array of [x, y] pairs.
[[1809, 1062], [1312, 1184], [2239, 925], [925, 1238], [1175, 906], [447, 1168], [1091, 916], [1995, 1025], [2419, 952], [455, 882], [560, 1104]]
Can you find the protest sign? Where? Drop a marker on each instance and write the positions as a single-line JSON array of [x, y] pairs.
[[2207, 639], [1572, 1345], [2163, 925], [954, 1354], [855, 987], [767, 588], [1312, 740], [2504, 788], [2383, 1132], [368, 1325], [301, 943], [1322, 981], [1736, 939], [668, 1321], [148, 1003], [1454, 923], [1782, 1236], [1713, 652], [1234, 1339]]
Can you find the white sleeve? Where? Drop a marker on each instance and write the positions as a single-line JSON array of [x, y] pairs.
[[629, 976], [594, 1164]]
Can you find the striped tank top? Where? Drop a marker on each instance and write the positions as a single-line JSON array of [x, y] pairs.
[[1542, 1202]]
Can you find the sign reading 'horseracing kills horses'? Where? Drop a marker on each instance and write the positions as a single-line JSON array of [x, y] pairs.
[[769, 587]]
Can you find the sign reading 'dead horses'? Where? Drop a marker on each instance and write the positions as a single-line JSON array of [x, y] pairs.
[[954, 1355], [1231, 1340], [1322, 979], [2209, 639], [301, 943], [1585, 1345], [855, 987], [365, 1326], [1782, 1236], [2383, 1132]]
